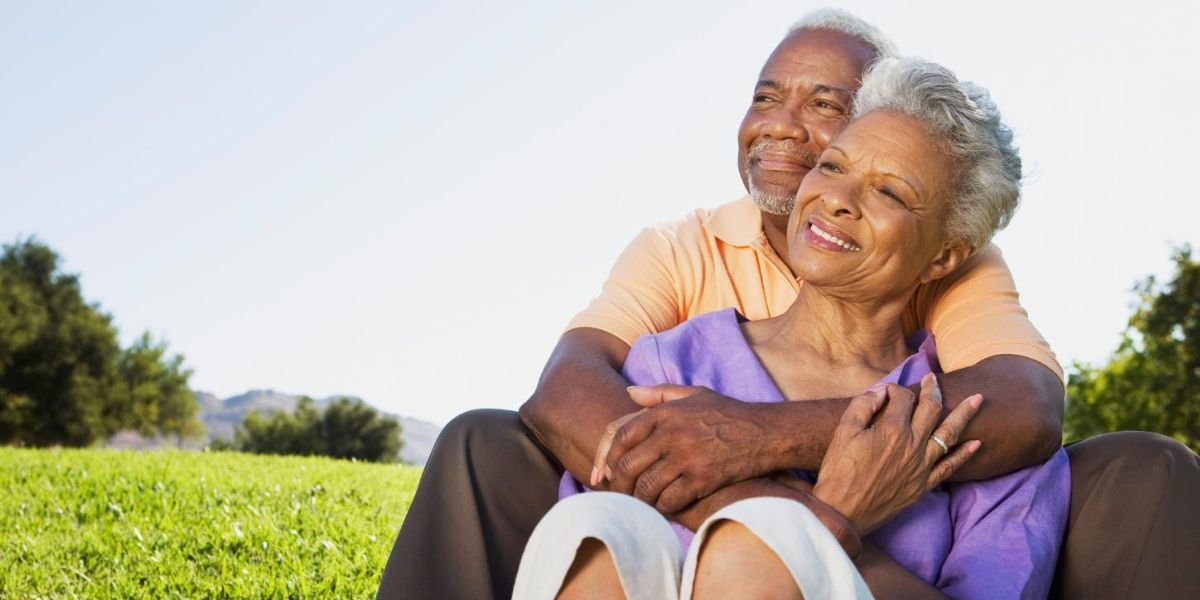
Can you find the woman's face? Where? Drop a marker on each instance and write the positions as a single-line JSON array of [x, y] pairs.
[[869, 219]]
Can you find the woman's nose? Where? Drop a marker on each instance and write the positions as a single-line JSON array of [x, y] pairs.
[[841, 199]]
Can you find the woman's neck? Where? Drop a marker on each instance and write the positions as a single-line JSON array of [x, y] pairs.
[[842, 332]]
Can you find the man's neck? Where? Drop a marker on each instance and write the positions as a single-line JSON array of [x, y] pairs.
[[775, 227]]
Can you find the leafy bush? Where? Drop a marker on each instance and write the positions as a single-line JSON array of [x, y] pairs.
[[346, 428]]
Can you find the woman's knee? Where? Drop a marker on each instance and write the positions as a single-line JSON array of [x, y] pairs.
[[729, 552], [602, 534], [615, 519]]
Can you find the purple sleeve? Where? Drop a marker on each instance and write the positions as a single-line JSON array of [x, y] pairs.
[[1007, 532], [643, 365]]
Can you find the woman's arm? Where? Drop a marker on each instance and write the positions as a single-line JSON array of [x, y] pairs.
[[888, 579], [1008, 532]]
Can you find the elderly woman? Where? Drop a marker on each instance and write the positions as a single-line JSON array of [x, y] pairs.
[[921, 178]]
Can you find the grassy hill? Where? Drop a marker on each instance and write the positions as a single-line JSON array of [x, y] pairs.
[[168, 524]]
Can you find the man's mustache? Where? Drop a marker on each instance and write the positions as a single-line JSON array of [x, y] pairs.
[[788, 147]]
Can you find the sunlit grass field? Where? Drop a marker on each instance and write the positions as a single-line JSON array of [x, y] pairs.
[[166, 524]]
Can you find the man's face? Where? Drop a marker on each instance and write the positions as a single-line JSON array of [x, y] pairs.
[[801, 101]]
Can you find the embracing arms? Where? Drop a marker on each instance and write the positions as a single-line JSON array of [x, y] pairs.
[[714, 441]]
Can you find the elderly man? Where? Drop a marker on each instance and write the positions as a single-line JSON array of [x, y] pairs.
[[488, 483]]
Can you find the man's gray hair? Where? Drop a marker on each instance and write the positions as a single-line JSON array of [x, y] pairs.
[[963, 116], [832, 19]]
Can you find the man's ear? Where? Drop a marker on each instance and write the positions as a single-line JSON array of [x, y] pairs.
[[952, 255]]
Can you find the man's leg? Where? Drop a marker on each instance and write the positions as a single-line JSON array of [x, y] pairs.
[[484, 489], [1134, 529]]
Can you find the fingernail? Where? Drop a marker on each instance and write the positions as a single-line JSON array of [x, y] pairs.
[[927, 379], [592, 481], [974, 445], [632, 387], [975, 400]]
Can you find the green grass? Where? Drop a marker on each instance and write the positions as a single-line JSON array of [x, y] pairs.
[[117, 524]]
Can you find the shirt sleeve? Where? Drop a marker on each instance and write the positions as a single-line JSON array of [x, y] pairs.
[[976, 313], [1007, 532], [641, 295], [643, 365]]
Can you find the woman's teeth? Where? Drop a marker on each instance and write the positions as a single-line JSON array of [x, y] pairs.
[[832, 238]]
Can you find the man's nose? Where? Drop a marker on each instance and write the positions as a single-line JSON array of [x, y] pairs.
[[787, 123]]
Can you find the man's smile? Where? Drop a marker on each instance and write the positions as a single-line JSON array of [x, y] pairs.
[[781, 161]]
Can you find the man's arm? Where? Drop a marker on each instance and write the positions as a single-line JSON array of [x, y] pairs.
[[1020, 423], [580, 392], [685, 448]]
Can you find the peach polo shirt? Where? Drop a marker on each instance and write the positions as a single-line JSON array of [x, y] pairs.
[[720, 258]]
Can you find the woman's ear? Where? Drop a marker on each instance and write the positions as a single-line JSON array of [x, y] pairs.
[[952, 255]]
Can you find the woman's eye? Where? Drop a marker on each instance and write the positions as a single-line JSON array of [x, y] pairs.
[[890, 194], [830, 167]]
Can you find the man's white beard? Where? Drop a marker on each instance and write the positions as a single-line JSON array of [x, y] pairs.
[[772, 204]]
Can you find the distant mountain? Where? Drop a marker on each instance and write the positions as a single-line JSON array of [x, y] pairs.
[[222, 416]]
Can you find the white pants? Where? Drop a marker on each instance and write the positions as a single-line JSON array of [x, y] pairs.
[[652, 566]]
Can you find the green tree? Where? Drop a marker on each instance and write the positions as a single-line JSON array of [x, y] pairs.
[[154, 391], [351, 429], [57, 356], [346, 428], [281, 432], [63, 376], [1152, 381]]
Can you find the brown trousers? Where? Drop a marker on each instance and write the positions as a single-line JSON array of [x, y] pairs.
[[1134, 529]]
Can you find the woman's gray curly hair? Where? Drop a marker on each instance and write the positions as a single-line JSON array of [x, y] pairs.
[[963, 116]]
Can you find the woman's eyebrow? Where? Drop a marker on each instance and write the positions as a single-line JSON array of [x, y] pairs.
[[907, 183], [886, 173]]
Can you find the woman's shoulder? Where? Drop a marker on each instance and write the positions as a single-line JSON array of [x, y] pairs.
[[687, 351]]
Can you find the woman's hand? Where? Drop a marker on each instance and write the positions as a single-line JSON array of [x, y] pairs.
[[880, 464]]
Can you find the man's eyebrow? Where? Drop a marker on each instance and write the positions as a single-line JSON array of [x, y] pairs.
[[821, 88]]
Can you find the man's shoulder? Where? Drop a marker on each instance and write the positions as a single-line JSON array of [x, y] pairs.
[[738, 223]]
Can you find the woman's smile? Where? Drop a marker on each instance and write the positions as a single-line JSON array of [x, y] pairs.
[[827, 237]]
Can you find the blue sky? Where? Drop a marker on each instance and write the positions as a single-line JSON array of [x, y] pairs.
[[407, 201]]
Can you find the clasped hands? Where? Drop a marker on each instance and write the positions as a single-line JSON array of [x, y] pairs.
[[688, 442]]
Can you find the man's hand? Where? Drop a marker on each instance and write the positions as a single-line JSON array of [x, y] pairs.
[[688, 443]]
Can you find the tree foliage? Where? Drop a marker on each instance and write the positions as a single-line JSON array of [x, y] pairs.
[[1152, 381], [155, 394], [346, 428], [64, 379]]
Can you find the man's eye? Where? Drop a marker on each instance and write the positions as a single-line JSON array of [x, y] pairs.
[[828, 107], [762, 98]]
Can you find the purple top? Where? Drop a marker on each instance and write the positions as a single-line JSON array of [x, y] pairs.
[[997, 538]]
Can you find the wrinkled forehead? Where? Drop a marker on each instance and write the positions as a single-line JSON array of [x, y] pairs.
[[818, 57], [894, 144]]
